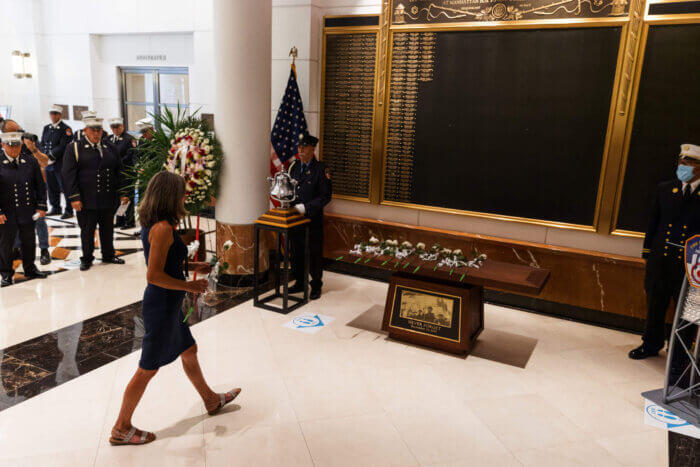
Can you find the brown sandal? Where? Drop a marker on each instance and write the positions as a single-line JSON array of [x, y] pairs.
[[222, 402], [128, 439]]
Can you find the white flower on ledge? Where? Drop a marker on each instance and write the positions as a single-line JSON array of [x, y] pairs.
[[407, 244], [374, 240], [457, 252], [227, 245], [420, 245]]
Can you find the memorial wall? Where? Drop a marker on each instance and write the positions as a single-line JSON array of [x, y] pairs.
[[560, 114]]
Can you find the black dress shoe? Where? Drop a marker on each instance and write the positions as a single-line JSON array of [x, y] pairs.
[[315, 294], [641, 352], [5, 281], [45, 257], [67, 215], [35, 274], [114, 260], [84, 265], [54, 212], [296, 288]]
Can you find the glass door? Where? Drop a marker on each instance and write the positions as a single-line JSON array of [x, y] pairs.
[[147, 91]]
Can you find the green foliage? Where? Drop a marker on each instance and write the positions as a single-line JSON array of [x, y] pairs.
[[152, 154]]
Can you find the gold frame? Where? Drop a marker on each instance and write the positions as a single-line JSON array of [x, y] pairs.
[[429, 292], [623, 22], [338, 31], [657, 20]]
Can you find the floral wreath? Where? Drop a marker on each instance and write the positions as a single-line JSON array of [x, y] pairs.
[[191, 157]]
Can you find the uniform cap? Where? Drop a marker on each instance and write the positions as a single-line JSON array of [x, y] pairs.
[[690, 150], [88, 114], [93, 122], [12, 137], [56, 108], [116, 121], [306, 139], [144, 124]]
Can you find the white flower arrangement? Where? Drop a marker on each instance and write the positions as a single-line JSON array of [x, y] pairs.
[[374, 240], [191, 156], [420, 246]]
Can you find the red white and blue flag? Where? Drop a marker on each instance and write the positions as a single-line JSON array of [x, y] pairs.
[[289, 124]]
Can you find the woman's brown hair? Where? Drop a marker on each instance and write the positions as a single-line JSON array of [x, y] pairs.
[[163, 200]]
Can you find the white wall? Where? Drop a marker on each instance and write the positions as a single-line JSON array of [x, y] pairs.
[[78, 45], [76, 48]]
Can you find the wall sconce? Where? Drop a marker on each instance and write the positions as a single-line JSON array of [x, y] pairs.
[[20, 64]]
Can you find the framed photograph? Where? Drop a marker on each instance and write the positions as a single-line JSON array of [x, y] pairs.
[[78, 111], [209, 119], [5, 111], [433, 314]]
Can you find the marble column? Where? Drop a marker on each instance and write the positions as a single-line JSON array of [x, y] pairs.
[[242, 56]]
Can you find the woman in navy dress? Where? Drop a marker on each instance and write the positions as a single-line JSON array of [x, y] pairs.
[[167, 335]]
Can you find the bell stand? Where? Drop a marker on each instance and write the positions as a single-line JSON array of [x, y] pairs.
[[284, 222]]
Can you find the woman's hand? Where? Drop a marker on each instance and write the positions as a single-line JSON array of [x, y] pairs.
[[200, 267], [198, 286]]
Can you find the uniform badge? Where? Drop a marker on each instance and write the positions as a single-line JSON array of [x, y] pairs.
[[68, 131], [328, 173], [692, 260], [675, 190]]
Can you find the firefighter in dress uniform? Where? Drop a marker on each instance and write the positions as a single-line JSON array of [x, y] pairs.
[[675, 217], [22, 201], [93, 174], [54, 140], [124, 145], [314, 191]]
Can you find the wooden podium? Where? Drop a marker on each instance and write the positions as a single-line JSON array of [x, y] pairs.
[[283, 222], [443, 307]]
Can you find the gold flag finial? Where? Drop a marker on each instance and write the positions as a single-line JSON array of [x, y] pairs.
[[293, 53]]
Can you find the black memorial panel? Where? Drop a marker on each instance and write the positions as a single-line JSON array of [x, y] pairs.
[[508, 122], [667, 115], [348, 106]]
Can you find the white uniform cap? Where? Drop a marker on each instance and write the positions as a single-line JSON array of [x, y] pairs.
[[12, 137], [88, 114], [690, 150], [56, 108], [116, 121], [144, 124], [93, 122]]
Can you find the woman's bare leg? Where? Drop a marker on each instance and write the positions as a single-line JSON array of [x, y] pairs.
[[194, 373], [132, 395]]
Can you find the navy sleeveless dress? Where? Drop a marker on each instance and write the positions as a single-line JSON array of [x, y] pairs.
[[167, 336]]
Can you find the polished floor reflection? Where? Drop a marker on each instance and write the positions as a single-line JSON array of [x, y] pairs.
[[537, 391]]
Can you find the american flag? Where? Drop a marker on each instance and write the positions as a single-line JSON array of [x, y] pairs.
[[289, 124]]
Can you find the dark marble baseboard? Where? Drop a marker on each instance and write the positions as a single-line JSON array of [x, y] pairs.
[[522, 302]]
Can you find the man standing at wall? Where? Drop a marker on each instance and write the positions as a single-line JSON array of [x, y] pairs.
[[93, 175], [675, 217], [54, 139], [124, 145], [314, 191]]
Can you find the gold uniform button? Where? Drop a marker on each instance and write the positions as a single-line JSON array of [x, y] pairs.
[[668, 233], [665, 254], [675, 190]]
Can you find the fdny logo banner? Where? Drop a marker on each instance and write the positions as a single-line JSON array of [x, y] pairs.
[[692, 260]]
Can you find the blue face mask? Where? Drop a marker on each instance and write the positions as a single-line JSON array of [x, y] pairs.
[[684, 173]]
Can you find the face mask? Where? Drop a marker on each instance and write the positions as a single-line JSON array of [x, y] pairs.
[[684, 173]]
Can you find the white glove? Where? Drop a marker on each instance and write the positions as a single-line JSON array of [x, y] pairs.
[[192, 248], [300, 208]]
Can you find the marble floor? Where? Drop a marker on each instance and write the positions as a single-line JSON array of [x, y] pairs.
[[536, 391]]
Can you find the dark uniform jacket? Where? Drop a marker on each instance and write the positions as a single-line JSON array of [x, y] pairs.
[[673, 220], [54, 141], [314, 188], [124, 145], [22, 189], [93, 175]]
